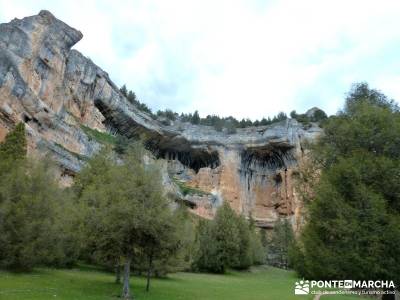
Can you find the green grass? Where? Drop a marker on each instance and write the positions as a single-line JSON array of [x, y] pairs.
[[101, 137], [188, 190], [262, 283]]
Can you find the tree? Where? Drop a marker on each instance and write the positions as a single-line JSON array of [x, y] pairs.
[[38, 223], [131, 96], [195, 118], [32, 231], [226, 235], [354, 209], [279, 117], [126, 212], [319, 115], [124, 90], [227, 241], [258, 249], [121, 144], [163, 242], [219, 242], [245, 254], [14, 146], [281, 240], [230, 127], [178, 248]]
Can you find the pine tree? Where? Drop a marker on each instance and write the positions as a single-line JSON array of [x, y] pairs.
[[354, 209], [14, 146], [195, 119], [124, 90]]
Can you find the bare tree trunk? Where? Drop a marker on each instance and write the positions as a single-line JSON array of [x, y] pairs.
[[118, 273], [149, 270], [126, 294]]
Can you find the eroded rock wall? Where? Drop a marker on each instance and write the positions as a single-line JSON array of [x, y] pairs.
[[256, 179], [58, 93]]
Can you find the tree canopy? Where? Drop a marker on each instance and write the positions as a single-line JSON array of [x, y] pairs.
[[353, 226]]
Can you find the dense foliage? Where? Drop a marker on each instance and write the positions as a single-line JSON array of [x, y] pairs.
[[115, 214], [280, 244], [128, 219], [36, 217], [228, 241], [353, 228], [317, 115]]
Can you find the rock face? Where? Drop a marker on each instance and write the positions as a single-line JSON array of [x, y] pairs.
[[62, 96]]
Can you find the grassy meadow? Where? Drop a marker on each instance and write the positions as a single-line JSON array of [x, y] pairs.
[[261, 283]]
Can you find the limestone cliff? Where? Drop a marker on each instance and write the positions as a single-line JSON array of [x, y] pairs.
[[62, 96]]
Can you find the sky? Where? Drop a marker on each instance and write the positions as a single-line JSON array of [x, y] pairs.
[[248, 59]]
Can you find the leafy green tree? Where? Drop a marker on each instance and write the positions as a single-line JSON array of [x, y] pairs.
[[195, 118], [126, 212], [219, 242], [33, 229], [245, 254], [164, 244], [124, 90], [131, 96], [226, 235], [279, 117], [258, 249], [354, 210], [169, 114], [227, 241], [180, 248], [281, 240], [319, 115], [205, 256], [14, 146], [38, 222]]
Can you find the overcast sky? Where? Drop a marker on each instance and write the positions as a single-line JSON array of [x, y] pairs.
[[243, 58]]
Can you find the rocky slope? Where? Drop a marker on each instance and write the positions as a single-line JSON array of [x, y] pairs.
[[65, 100]]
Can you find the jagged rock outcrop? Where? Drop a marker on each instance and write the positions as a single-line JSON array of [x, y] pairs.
[[62, 95]]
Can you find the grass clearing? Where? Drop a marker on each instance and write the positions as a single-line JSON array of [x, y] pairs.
[[101, 137], [262, 283], [188, 190]]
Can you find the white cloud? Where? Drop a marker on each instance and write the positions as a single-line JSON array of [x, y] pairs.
[[242, 58]]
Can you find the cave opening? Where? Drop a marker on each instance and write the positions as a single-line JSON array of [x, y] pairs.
[[270, 157], [162, 146], [194, 159]]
